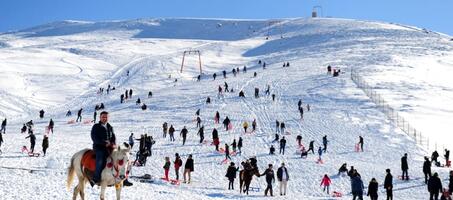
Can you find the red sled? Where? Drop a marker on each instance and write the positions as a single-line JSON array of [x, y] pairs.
[[357, 147], [30, 154], [337, 194], [71, 121]]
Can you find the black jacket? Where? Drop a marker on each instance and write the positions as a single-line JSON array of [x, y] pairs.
[[404, 165], [189, 164], [270, 177], [427, 167], [32, 138], [231, 172], [215, 134], [280, 173], [100, 135], [282, 143], [373, 189], [434, 184], [388, 182]]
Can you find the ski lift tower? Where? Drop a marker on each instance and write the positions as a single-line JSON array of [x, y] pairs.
[[188, 52], [316, 10]]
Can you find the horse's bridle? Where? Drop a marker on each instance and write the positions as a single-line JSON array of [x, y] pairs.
[[115, 168]]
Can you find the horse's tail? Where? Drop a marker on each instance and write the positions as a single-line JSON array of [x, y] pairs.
[[71, 172]]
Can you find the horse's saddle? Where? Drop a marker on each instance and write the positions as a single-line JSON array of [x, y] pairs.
[[88, 163]]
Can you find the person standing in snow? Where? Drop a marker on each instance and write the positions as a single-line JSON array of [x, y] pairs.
[[245, 125], [234, 145], [301, 112], [217, 117], [231, 175], [167, 168], [282, 127], [254, 125], [283, 177], [201, 134], [299, 140], [188, 168], [240, 145], [244, 69], [50, 127], [183, 133], [357, 187], [282, 145], [427, 169], [79, 115], [164, 129], [32, 141], [434, 157], [94, 116], [227, 152], [224, 73], [177, 163], [404, 167], [270, 178], [3, 126], [45, 144], [388, 184], [324, 142], [131, 140], [320, 153], [311, 147], [122, 98], [273, 97], [214, 76], [272, 150], [326, 183], [226, 87], [198, 121], [215, 139], [373, 189], [171, 132], [434, 187], [226, 123], [361, 142], [130, 93], [1, 141]]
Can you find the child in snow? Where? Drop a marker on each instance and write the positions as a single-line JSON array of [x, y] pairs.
[[167, 167], [231, 175], [326, 183], [45, 144], [272, 150], [320, 152]]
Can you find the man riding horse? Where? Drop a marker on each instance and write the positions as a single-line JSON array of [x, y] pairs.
[[250, 168]]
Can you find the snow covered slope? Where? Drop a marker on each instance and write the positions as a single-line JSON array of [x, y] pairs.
[[60, 66]]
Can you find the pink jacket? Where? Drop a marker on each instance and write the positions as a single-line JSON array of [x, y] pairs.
[[325, 181]]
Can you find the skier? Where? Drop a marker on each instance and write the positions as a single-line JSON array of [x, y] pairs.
[[282, 127], [131, 140], [245, 125], [1, 141], [283, 177], [231, 175], [177, 163], [299, 140], [272, 150], [404, 167], [240, 145], [326, 183], [41, 114], [171, 131], [184, 135], [434, 186], [357, 187], [50, 126], [188, 168], [201, 134], [311, 147], [45, 144], [270, 177], [427, 169], [388, 184], [164, 129], [3, 126], [361, 142], [79, 115], [32, 141], [215, 139], [130, 93], [324, 142], [282, 145], [219, 91], [373, 189], [167, 168], [254, 125]]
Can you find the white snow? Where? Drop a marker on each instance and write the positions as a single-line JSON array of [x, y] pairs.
[[60, 66]]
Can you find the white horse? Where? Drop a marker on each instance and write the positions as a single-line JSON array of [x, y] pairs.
[[114, 173]]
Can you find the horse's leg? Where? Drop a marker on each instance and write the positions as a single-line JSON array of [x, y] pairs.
[[82, 188], [118, 190], [76, 191], [103, 186], [247, 185]]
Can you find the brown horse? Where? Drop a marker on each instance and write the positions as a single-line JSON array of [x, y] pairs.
[[245, 178], [115, 172]]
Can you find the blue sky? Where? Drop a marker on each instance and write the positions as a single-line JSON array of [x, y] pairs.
[[435, 15]]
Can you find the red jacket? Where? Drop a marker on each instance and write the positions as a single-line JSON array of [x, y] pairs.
[[325, 181]]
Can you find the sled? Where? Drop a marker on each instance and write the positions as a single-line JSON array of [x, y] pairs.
[[337, 194], [319, 161], [30, 154], [225, 161], [146, 178], [357, 147], [254, 189], [171, 181], [230, 126], [71, 121]]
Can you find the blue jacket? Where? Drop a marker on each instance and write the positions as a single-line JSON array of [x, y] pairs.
[[101, 134], [357, 185]]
